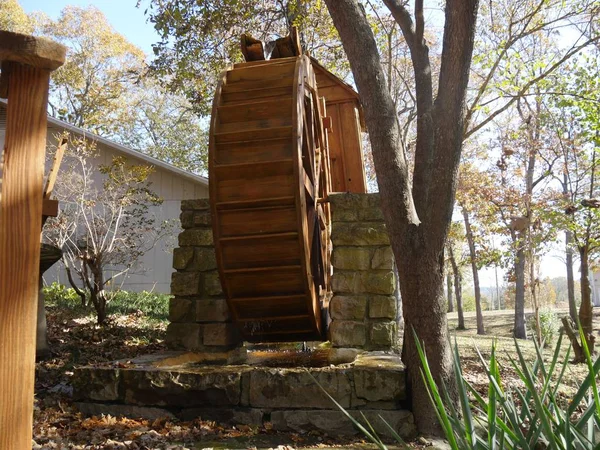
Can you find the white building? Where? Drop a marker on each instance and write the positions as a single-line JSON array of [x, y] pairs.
[[168, 182]]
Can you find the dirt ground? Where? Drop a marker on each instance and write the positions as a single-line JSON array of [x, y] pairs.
[[76, 340]]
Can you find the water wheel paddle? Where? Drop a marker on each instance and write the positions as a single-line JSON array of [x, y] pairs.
[[269, 171]]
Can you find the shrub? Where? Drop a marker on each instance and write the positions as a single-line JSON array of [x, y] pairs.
[[514, 417], [549, 324]]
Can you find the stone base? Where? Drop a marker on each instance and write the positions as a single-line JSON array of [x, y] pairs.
[[186, 385]]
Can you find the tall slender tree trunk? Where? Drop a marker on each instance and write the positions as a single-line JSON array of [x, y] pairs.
[[586, 313], [457, 289], [449, 291], [570, 276], [473, 258], [519, 326]]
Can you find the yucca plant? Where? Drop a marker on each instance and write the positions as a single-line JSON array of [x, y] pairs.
[[528, 417]]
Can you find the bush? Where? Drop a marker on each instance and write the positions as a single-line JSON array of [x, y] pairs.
[[513, 417], [549, 324], [151, 304]]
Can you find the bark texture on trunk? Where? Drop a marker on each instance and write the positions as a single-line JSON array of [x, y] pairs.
[[473, 258], [570, 276], [586, 312], [449, 291], [519, 330], [417, 220], [457, 289]]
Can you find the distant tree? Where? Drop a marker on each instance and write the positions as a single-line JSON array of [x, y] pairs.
[[576, 122], [14, 18], [104, 226]]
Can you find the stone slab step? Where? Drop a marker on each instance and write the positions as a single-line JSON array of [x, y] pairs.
[[373, 381]]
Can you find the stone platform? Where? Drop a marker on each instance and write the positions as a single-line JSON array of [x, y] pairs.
[[253, 388]]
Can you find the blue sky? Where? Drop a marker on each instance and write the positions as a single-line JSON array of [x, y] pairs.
[[123, 15]]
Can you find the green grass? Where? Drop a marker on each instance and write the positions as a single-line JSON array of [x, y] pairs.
[[151, 305]]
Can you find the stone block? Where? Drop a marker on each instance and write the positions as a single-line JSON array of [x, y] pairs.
[[382, 334], [204, 259], [181, 309], [346, 333], [380, 378], [294, 388], [336, 423], [348, 307], [212, 284], [196, 205], [355, 202], [371, 214], [383, 307], [212, 310], [184, 335], [221, 334], [185, 283], [359, 233], [182, 256], [200, 387], [193, 219], [344, 215], [351, 258], [196, 237], [383, 258], [96, 384], [346, 282], [377, 282], [130, 411]]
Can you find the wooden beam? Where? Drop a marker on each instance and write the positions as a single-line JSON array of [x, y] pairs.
[[29, 60]]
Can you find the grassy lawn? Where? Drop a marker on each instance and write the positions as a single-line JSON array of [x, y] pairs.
[[498, 327]]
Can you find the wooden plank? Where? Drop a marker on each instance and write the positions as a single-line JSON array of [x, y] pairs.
[[265, 72], [280, 281], [255, 111], [267, 307], [335, 93], [253, 132], [338, 176], [263, 62], [251, 152], [354, 166], [251, 170], [262, 94], [265, 252], [20, 225], [252, 85], [263, 202], [258, 221], [261, 188]]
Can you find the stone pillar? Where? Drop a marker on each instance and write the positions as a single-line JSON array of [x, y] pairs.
[[364, 306], [198, 313]]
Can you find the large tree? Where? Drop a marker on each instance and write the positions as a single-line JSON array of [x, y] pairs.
[[417, 214]]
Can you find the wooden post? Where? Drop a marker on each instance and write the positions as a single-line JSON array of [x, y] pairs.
[[26, 66]]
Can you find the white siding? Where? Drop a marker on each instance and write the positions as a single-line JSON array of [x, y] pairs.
[[154, 269]]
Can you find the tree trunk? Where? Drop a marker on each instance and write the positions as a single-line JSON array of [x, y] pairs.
[[519, 328], [449, 290], [586, 312], [79, 292], [570, 276], [417, 221], [473, 258], [457, 289]]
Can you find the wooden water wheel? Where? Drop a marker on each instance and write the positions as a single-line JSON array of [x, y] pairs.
[[269, 172]]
